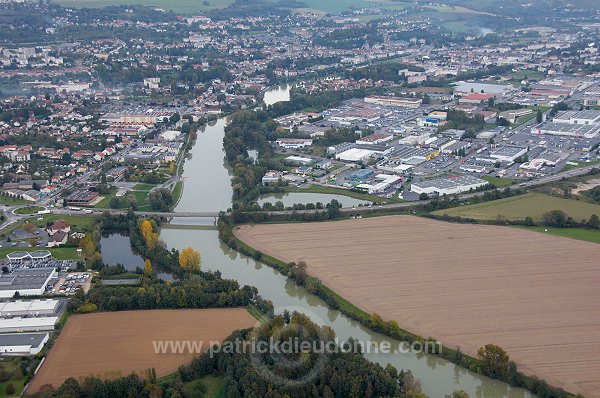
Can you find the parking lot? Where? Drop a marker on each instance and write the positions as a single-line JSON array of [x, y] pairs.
[[72, 282]]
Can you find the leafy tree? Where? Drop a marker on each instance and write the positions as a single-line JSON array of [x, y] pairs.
[[114, 203], [594, 222], [87, 307], [555, 218], [147, 267], [147, 232], [539, 117], [189, 260], [494, 361], [131, 202], [160, 199]]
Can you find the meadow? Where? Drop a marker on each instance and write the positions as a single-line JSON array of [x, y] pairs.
[[532, 205]]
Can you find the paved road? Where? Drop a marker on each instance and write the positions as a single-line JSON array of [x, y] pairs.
[[11, 217]]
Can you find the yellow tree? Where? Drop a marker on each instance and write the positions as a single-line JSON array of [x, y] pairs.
[[87, 245], [150, 237], [146, 229], [147, 267], [172, 168], [189, 260]]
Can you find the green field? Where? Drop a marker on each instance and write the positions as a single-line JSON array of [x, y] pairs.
[[143, 186], [177, 192], [178, 6], [15, 377], [7, 200], [518, 207], [28, 210], [499, 182], [59, 253], [581, 164], [105, 202], [590, 235], [345, 192]]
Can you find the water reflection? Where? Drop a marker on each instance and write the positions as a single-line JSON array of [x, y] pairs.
[[115, 248]]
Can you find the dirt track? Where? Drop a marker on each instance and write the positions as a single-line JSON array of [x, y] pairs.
[[112, 344], [535, 295]]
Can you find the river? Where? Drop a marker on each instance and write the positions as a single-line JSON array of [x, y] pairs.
[[207, 188]]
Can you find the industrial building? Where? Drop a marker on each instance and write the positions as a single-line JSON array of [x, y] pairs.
[[375, 138], [355, 155], [448, 185], [568, 129], [28, 308], [293, 143], [394, 101], [22, 344], [578, 117], [508, 153], [26, 281], [82, 197], [27, 324], [31, 259]]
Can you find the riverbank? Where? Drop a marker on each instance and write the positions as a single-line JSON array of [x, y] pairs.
[[364, 279]]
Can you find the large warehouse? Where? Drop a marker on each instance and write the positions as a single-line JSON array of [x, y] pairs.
[[448, 185], [26, 281], [28, 308], [22, 343], [31, 324]]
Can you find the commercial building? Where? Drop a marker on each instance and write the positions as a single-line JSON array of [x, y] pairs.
[[298, 161], [476, 98], [448, 185], [27, 324], [28, 308], [339, 148], [508, 153], [26, 281], [361, 174], [578, 117], [385, 182], [355, 155], [394, 101], [30, 259], [375, 138], [271, 177], [293, 143], [81, 197], [568, 129], [22, 344]]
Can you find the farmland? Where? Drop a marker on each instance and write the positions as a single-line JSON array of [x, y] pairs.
[[112, 344], [466, 285], [518, 207]]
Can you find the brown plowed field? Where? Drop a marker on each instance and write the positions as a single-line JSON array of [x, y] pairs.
[[535, 295], [112, 344]]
